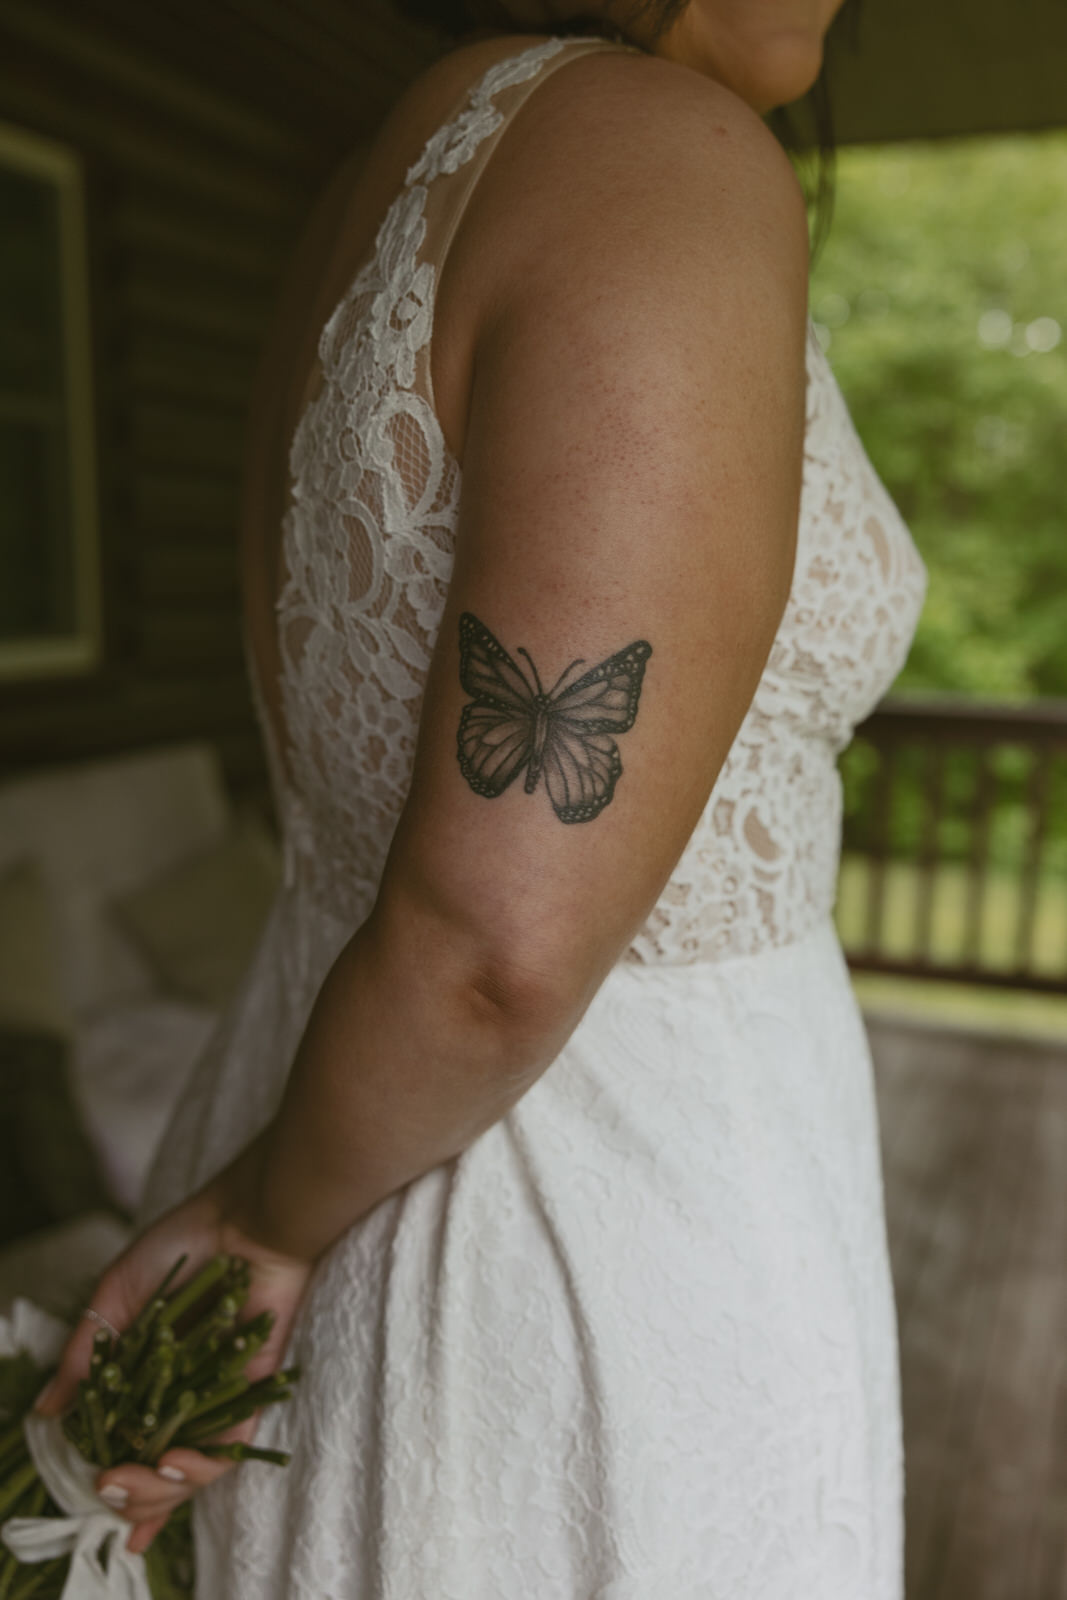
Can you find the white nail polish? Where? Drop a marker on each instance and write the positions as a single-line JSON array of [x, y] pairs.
[[175, 1474], [114, 1494]]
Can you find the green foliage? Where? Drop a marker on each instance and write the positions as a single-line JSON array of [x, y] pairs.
[[942, 299], [20, 1379]]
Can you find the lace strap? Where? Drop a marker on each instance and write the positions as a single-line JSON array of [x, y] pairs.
[[464, 144]]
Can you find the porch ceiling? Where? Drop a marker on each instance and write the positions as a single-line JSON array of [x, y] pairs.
[[331, 68], [935, 68]]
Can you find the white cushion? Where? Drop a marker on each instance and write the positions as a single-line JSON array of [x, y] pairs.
[[57, 1270], [31, 993], [199, 923], [99, 830], [128, 1067]]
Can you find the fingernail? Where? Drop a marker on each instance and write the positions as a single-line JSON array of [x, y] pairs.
[[114, 1494], [175, 1474], [45, 1395]]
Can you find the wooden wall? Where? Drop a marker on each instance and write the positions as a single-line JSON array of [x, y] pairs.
[[205, 131], [206, 127]]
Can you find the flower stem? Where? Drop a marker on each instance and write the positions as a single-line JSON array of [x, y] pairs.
[[15, 1488], [245, 1452], [195, 1289]]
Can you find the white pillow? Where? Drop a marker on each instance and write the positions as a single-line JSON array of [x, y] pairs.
[[128, 1067], [199, 923], [56, 1270], [31, 992], [100, 829]]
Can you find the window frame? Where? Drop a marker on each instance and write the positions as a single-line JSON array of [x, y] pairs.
[[80, 650]]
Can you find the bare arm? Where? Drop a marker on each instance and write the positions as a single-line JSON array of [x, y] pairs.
[[631, 477]]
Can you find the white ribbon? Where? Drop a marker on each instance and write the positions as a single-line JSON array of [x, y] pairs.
[[89, 1526]]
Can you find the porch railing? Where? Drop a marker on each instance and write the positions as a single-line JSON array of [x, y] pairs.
[[955, 842]]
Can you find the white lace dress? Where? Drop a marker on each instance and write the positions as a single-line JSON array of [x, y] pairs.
[[638, 1341]]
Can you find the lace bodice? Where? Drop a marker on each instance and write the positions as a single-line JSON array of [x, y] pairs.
[[637, 1338], [367, 554]]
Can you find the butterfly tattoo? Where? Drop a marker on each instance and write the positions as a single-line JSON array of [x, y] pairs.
[[565, 733]]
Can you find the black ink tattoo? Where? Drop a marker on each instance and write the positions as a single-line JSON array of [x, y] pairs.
[[566, 733]]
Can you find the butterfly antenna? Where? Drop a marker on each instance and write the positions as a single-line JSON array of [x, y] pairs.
[[555, 687], [537, 679]]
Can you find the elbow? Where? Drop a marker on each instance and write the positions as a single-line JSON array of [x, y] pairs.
[[510, 988], [518, 993]]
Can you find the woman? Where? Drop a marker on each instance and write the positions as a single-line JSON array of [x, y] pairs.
[[545, 1111]]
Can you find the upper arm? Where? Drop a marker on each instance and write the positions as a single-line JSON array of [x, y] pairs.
[[631, 473]]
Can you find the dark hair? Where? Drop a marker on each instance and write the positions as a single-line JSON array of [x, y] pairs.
[[806, 129], [453, 18]]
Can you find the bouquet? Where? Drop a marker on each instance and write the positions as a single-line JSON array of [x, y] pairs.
[[174, 1377]]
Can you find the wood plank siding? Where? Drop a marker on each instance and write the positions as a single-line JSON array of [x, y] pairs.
[[206, 127], [205, 132]]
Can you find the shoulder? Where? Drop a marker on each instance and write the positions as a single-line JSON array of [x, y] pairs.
[[613, 136], [643, 242], [626, 169]]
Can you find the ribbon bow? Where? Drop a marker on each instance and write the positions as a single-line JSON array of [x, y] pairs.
[[90, 1530]]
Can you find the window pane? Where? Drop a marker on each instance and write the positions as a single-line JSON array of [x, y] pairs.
[[49, 593]]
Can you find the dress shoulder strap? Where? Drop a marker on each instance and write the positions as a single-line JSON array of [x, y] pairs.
[[447, 172], [480, 118]]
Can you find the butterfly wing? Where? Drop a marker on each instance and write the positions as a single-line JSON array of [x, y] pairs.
[[493, 747], [581, 759], [487, 672], [580, 773], [495, 737]]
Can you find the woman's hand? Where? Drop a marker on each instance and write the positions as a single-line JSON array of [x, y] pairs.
[[213, 1220]]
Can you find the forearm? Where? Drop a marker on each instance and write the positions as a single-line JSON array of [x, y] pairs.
[[405, 1060]]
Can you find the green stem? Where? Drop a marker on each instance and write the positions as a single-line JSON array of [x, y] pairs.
[[160, 1354], [133, 1340], [111, 1377], [231, 1405], [94, 1407], [245, 1452], [169, 1277], [37, 1577], [201, 1343], [198, 1285], [209, 1402], [15, 1488], [101, 1353], [161, 1383], [13, 1459], [9, 1437], [157, 1442], [8, 1568], [209, 1427]]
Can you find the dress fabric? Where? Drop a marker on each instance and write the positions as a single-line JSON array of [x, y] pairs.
[[639, 1339]]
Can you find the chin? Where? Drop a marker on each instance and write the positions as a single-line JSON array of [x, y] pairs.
[[790, 65]]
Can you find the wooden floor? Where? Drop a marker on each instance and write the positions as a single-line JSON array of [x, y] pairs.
[[974, 1137]]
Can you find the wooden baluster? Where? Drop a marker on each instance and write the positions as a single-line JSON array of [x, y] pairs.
[[928, 857], [1037, 792], [984, 794], [878, 849]]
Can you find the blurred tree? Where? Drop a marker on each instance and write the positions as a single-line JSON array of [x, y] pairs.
[[941, 299]]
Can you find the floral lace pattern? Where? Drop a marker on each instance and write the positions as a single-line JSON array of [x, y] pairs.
[[368, 549], [368, 541], [638, 1340]]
